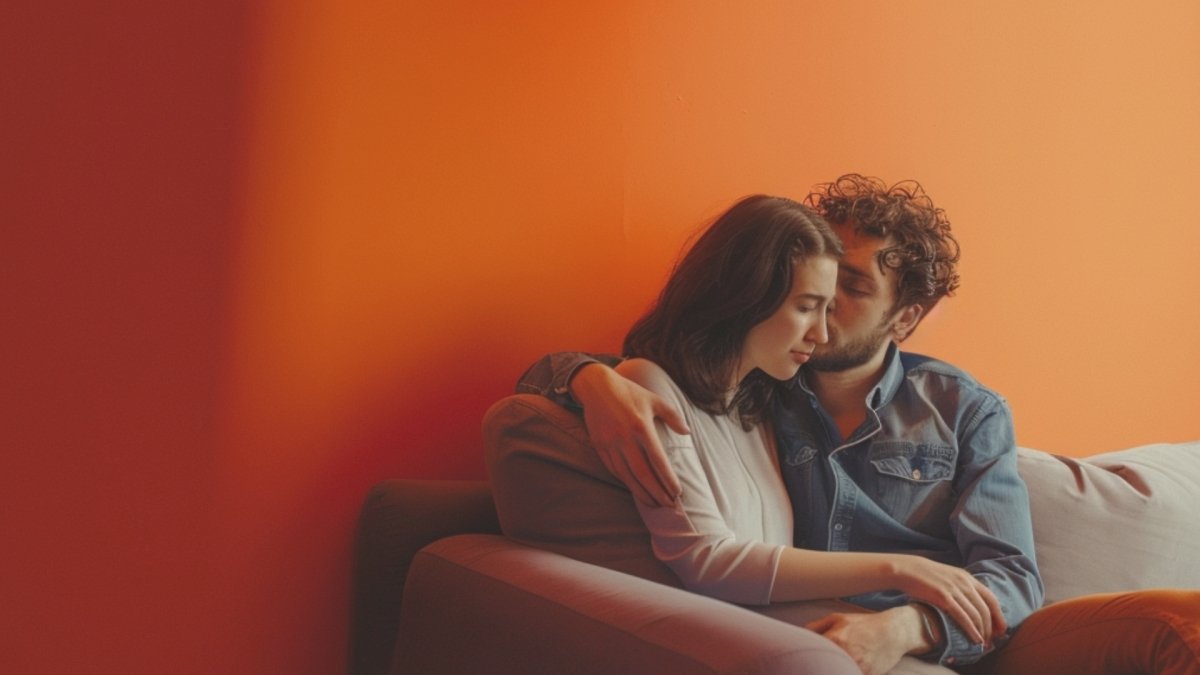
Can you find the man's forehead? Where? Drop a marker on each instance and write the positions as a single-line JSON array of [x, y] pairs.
[[853, 237], [861, 251], [853, 270], [862, 263]]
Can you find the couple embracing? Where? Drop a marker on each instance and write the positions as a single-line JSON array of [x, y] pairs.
[[778, 446]]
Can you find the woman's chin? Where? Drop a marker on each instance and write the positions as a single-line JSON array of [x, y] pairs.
[[783, 374]]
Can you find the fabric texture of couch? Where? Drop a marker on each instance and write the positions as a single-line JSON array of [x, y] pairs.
[[438, 589]]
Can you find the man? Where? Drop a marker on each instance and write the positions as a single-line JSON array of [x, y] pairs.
[[879, 450]]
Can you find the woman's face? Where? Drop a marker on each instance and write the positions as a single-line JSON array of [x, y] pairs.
[[784, 341]]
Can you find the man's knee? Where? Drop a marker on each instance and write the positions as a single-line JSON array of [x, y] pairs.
[[1164, 602]]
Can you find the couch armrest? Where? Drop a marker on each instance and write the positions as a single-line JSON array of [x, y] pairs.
[[485, 604]]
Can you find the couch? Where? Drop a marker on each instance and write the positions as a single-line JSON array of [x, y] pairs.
[[439, 589]]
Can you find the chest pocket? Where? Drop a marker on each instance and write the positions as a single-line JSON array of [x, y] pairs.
[[914, 462], [914, 483]]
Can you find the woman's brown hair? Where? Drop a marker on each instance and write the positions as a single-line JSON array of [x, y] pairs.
[[735, 275]]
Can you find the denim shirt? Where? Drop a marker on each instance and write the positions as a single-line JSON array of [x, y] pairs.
[[931, 472]]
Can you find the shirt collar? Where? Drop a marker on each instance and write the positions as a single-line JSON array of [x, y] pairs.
[[889, 384]]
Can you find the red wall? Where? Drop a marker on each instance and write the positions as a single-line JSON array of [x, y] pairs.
[[121, 154], [256, 260]]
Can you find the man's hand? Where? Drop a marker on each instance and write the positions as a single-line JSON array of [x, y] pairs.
[[876, 641], [619, 415]]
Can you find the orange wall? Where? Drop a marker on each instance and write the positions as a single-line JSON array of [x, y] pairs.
[[260, 259]]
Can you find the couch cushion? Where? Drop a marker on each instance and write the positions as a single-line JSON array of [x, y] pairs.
[[1124, 520]]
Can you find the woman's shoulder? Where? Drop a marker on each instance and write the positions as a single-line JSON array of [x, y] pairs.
[[651, 376]]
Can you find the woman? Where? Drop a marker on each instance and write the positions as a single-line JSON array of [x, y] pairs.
[[741, 313]]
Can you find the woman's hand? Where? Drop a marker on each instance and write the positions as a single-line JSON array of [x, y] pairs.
[[954, 591]]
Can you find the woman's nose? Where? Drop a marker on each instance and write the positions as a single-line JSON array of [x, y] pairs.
[[820, 330]]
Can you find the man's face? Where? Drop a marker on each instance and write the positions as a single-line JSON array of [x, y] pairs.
[[862, 322]]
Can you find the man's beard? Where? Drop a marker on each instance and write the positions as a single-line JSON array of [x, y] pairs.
[[831, 358]]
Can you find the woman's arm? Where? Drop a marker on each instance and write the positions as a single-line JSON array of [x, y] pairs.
[[693, 538], [809, 575]]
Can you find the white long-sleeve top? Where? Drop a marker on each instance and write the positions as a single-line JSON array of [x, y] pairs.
[[725, 535]]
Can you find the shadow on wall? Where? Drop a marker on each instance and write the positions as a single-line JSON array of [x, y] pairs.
[[288, 510], [122, 156]]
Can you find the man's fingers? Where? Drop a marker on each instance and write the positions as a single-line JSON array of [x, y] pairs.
[[614, 461], [660, 466], [649, 465], [671, 415], [657, 457]]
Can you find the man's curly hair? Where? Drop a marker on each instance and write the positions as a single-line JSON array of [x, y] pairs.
[[924, 252]]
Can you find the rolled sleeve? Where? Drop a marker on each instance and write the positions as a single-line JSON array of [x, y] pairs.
[[550, 375], [957, 648]]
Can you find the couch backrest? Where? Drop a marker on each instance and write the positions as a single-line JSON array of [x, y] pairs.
[[1119, 521]]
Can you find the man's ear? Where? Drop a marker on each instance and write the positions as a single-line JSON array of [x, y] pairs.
[[905, 321]]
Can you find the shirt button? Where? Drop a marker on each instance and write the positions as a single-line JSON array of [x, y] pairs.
[[838, 527], [916, 474]]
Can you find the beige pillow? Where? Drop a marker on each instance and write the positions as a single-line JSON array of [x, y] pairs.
[[1118, 521]]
